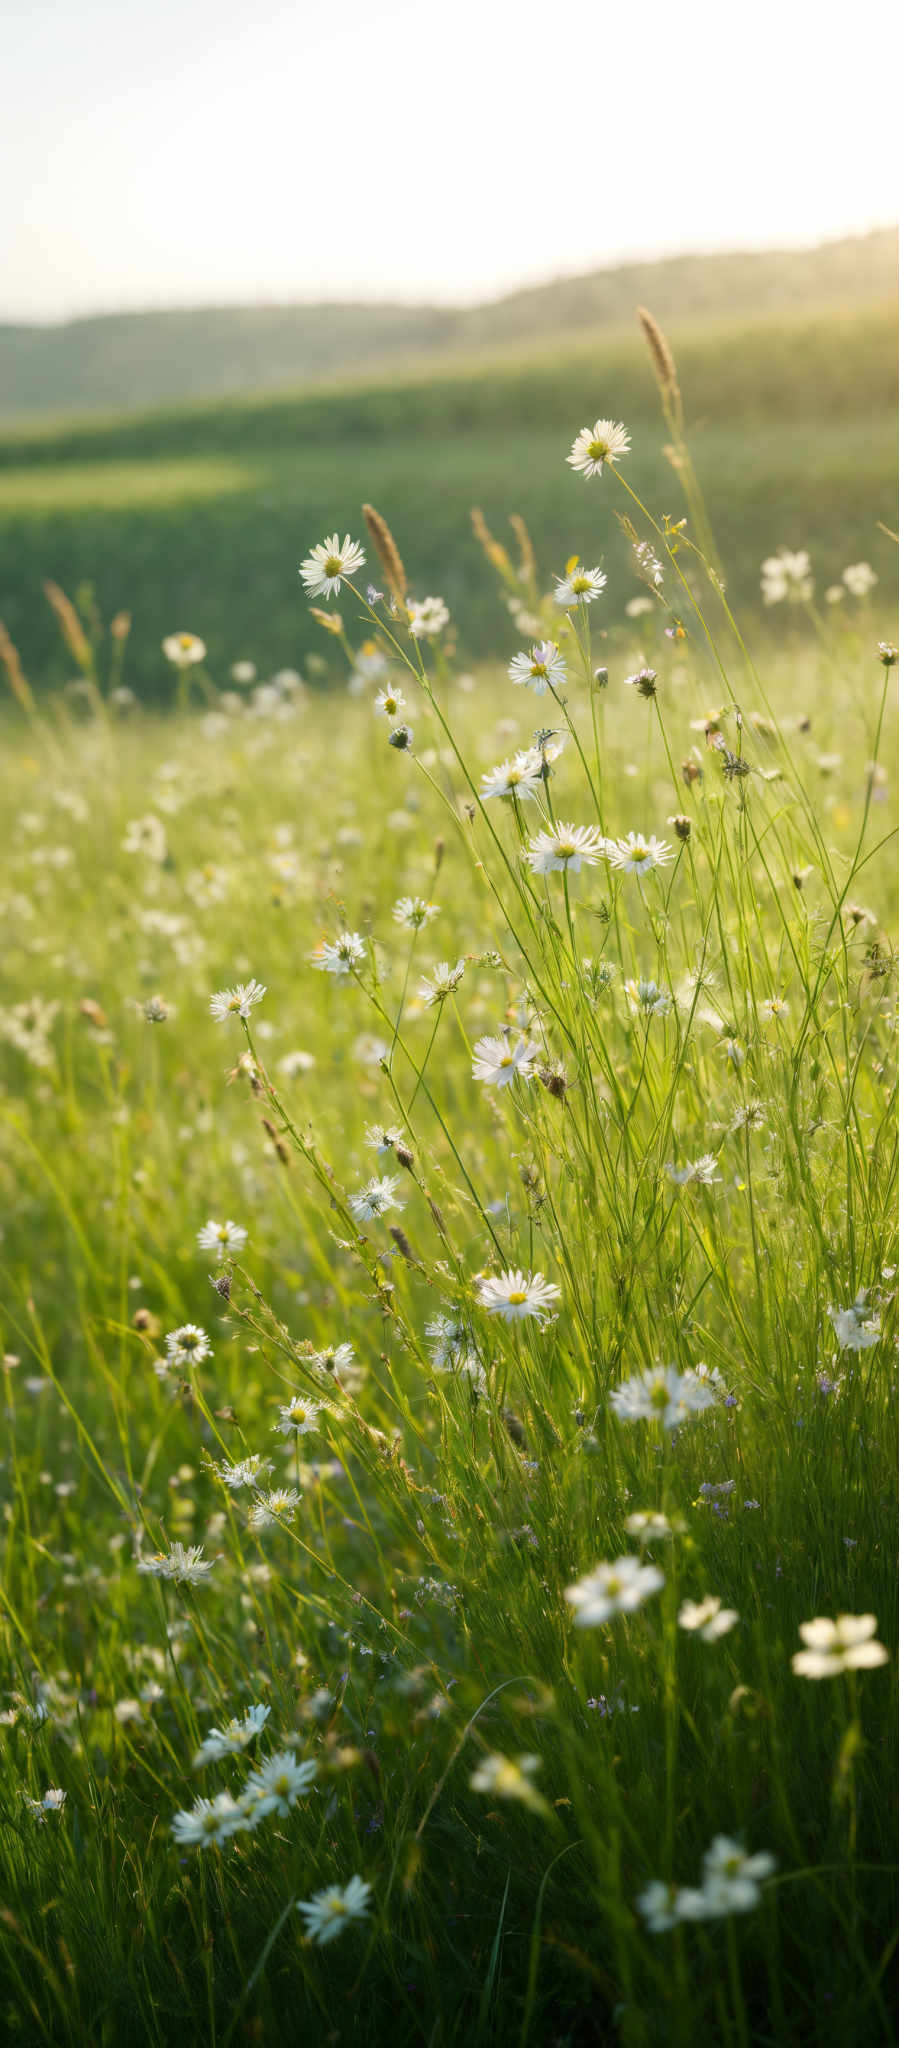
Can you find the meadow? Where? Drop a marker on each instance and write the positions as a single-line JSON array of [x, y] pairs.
[[192, 514], [449, 1158]]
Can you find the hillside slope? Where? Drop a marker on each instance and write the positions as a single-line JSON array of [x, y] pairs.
[[144, 359]]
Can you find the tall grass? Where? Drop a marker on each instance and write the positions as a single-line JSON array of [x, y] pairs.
[[698, 1154]]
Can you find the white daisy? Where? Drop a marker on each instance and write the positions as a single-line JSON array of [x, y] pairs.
[[522, 777], [276, 1785], [328, 563], [565, 848], [341, 955], [647, 999], [847, 1644], [300, 1417], [853, 1328], [184, 649], [544, 668], [376, 1197], [497, 1061], [697, 1171], [236, 1002], [443, 982], [187, 1567], [222, 1237], [233, 1738], [650, 1525], [639, 853], [578, 586], [612, 1589], [278, 1506], [188, 1345], [507, 1777], [730, 1878], [390, 702], [606, 441], [427, 617], [515, 1295], [208, 1822], [665, 1395], [414, 912], [328, 1912], [707, 1618]]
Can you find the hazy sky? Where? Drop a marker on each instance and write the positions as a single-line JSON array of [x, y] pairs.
[[194, 151]]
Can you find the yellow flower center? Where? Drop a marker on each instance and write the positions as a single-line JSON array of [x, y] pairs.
[[597, 451], [333, 565], [518, 1295]]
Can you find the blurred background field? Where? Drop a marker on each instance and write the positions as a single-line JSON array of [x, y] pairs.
[[192, 509]]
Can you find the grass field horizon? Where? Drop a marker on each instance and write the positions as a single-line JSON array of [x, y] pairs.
[[195, 515]]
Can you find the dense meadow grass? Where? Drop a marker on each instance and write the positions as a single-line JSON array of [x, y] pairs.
[[534, 1383], [194, 515]]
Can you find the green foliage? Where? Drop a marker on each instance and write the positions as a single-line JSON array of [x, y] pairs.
[[409, 1622]]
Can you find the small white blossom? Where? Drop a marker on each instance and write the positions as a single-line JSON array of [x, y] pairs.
[[188, 1345], [606, 441], [544, 668], [183, 650], [847, 1644], [638, 854], [565, 848], [328, 1912], [443, 982], [341, 955], [236, 1002], [233, 1738], [187, 1567], [276, 1785], [612, 1589], [664, 1395], [427, 618], [222, 1237], [522, 777], [499, 1061], [376, 1197], [300, 1416], [208, 1822], [414, 912], [578, 586], [506, 1777], [515, 1295], [853, 1328], [707, 1618], [328, 563]]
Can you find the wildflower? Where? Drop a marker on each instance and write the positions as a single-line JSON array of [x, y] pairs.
[[578, 586], [184, 649], [155, 1010], [606, 441], [506, 1777], [340, 955], [847, 1644], [222, 1237], [236, 1002], [51, 1801], [887, 652], [449, 1339], [244, 672], [707, 1618], [300, 1416], [328, 563], [700, 1171], [647, 998], [515, 1295], [383, 1137], [612, 1589], [186, 1567], [390, 702], [859, 578], [414, 912], [427, 618], [328, 1912], [188, 1345], [852, 1329], [662, 1906], [730, 1878], [245, 1473], [638, 854], [644, 682], [772, 1008], [334, 1360], [544, 668], [565, 848], [787, 576], [682, 826], [377, 1196], [444, 982], [278, 1506], [650, 1525], [233, 1738], [665, 1395], [276, 1785], [208, 1822], [294, 1063], [401, 737], [522, 777], [146, 836], [497, 1062]]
